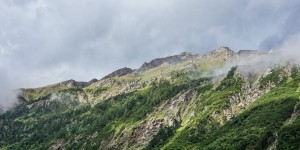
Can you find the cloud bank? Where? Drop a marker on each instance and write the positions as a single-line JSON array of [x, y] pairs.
[[47, 41]]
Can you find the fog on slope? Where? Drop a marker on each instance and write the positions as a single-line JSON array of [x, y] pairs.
[[7, 94], [289, 51]]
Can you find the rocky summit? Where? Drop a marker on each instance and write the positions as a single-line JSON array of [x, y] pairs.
[[119, 72], [220, 99]]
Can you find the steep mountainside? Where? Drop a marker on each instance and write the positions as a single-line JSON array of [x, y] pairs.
[[216, 100]]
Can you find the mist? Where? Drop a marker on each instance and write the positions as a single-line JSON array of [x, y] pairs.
[[44, 42]]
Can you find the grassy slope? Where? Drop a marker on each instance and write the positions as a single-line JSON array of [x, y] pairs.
[[85, 126], [255, 128]]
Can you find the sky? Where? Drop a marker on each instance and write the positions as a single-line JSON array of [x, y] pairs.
[[48, 41]]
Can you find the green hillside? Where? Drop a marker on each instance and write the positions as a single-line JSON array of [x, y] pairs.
[[184, 105]]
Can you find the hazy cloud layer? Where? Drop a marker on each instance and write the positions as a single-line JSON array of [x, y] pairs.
[[47, 41]]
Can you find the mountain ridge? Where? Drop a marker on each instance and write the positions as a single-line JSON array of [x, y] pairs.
[[184, 56], [216, 100]]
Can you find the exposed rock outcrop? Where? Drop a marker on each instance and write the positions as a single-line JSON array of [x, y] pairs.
[[65, 84], [170, 60], [223, 53], [119, 72]]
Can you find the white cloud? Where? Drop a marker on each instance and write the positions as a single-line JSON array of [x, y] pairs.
[[61, 39]]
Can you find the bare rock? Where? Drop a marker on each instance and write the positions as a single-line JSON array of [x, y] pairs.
[[169, 60], [119, 72]]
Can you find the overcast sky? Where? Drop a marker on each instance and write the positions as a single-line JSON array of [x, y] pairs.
[[48, 41]]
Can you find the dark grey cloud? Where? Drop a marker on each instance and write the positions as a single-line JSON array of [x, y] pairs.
[[46, 41], [287, 28]]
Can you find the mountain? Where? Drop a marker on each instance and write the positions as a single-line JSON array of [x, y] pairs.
[[214, 100]]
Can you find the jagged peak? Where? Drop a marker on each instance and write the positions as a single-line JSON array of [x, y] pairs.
[[120, 72], [93, 80], [68, 83], [170, 59], [186, 54], [221, 52], [223, 49]]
